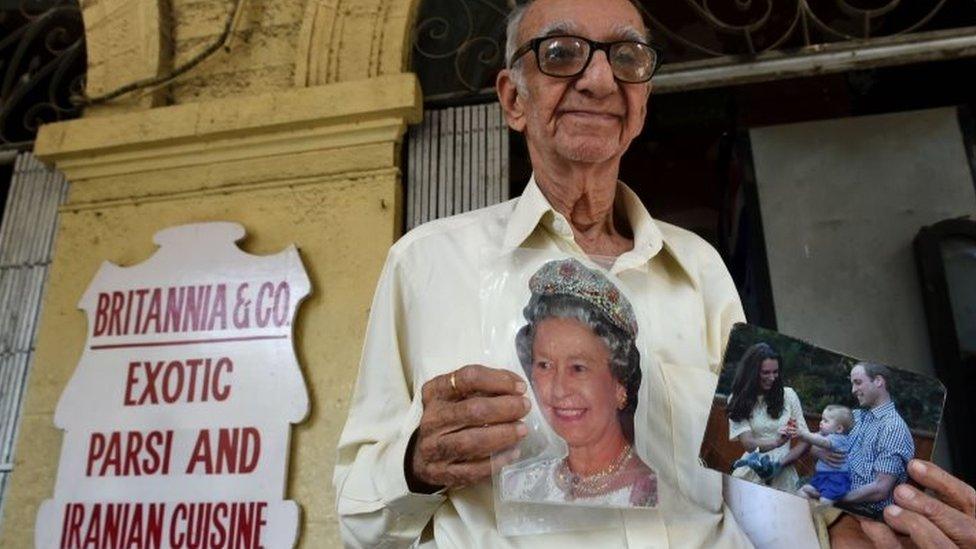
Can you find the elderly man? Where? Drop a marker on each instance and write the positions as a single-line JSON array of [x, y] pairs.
[[414, 457]]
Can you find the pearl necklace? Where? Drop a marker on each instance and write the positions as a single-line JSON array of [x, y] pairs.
[[596, 484]]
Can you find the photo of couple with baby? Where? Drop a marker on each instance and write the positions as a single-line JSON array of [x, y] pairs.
[[849, 446]]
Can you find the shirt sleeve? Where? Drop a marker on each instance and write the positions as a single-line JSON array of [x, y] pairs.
[[838, 443], [736, 428], [795, 409], [374, 505], [895, 448]]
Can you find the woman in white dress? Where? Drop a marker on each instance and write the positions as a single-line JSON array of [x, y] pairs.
[[578, 352], [759, 408]]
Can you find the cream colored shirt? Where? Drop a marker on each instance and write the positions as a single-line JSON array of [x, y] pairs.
[[425, 321]]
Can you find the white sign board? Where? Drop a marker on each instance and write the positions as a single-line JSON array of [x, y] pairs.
[[177, 419]]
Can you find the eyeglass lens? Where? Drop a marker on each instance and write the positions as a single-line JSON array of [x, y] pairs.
[[567, 56]]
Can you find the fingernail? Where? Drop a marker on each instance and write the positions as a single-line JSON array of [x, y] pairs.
[[893, 510], [526, 403], [520, 387], [521, 429], [905, 492], [917, 466]]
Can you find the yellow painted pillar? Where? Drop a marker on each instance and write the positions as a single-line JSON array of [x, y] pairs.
[[315, 163]]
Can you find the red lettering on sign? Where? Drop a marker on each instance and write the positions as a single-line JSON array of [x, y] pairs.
[[282, 304], [262, 312], [173, 381], [94, 526], [129, 453], [242, 310], [236, 525], [201, 453], [177, 381], [275, 312], [220, 392], [96, 447], [115, 325], [152, 315], [140, 302], [190, 309], [238, 451], [74, 517], [113, 525], [174, 308], [219, 312], [101, 314]]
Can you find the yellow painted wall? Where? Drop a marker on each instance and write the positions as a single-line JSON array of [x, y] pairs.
[[262, 53], [296, 134]]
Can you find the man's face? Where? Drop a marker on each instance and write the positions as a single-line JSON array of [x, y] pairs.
[[573, 384], [867, 391], [589, 118]]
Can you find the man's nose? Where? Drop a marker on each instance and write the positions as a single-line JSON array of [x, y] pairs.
[[598, 76]]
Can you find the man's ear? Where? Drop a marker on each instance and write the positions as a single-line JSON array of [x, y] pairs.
[[643, 108], [510, 100]]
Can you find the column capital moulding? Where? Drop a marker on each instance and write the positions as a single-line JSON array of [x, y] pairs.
[[145, 145]]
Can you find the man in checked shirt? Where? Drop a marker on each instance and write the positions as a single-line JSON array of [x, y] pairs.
[[881, 444]]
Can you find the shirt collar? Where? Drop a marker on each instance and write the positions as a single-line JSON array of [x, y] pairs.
[[532, 209], [883, 409]]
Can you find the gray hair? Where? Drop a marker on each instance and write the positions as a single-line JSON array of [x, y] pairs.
[[624, 356], [511, 44]]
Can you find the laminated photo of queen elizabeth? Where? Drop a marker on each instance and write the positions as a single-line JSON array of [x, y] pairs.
[[577, 349]]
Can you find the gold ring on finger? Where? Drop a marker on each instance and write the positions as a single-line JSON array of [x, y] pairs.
[[454, 385]]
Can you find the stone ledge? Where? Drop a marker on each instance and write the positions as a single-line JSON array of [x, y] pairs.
[[253, 144], [122, 200], [271, 124]]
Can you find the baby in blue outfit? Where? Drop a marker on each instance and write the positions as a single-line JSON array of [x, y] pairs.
[[830, 483]]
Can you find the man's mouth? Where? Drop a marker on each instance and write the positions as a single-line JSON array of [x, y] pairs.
[[594, 116]]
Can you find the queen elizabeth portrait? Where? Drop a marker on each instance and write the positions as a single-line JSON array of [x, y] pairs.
[[577, 350]]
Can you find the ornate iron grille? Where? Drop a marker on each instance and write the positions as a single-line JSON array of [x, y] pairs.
[[459, 45], [701, 29], [42, 64]]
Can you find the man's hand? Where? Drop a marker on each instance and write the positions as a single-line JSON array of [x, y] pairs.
[[946, 520], [876, 490], [469, 414]]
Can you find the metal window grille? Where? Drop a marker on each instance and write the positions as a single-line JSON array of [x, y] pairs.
[[26, 236], [459, 45], [457, 160]]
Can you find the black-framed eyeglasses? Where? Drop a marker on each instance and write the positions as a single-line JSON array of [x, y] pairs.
[[567, 55]]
